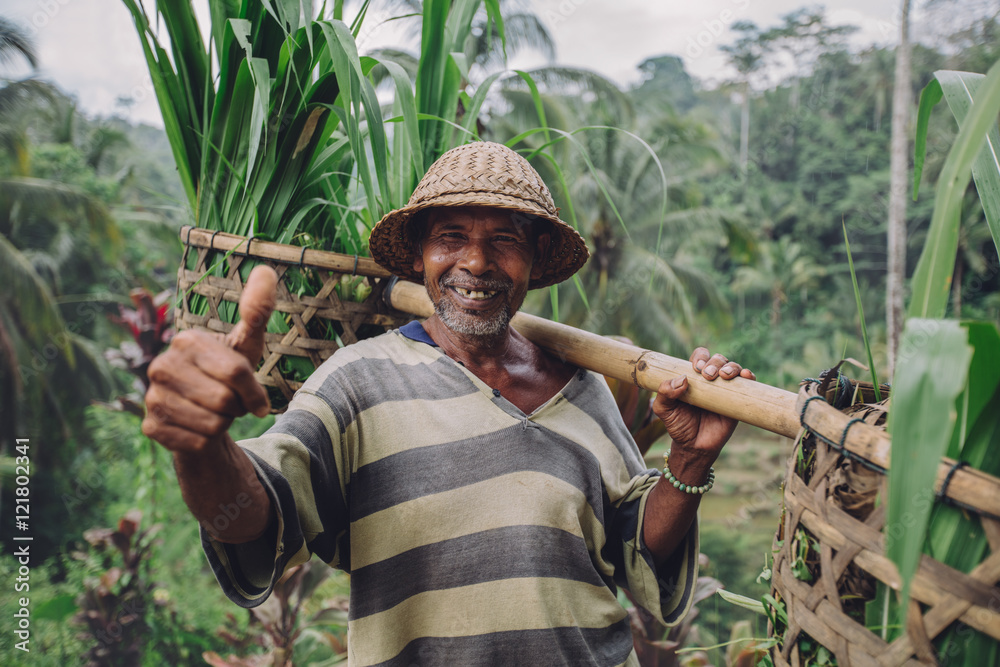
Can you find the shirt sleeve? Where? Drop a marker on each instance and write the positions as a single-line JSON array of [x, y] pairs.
[[666, 591], [302, 462]]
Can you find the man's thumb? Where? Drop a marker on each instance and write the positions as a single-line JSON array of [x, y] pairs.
[[256, 306]]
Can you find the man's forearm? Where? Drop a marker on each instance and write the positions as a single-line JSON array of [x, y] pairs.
[[221, 488], [670, 511]]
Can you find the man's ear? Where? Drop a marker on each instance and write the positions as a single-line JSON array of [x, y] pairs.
[[543, 242]]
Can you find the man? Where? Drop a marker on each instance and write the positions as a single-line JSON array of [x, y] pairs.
[[484, 495]]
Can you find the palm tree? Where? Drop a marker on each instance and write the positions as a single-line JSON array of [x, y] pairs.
[[783, 268], [639, 282], [747, 56]]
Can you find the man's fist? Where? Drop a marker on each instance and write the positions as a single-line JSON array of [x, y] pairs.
[[693, 428], [204, 381]]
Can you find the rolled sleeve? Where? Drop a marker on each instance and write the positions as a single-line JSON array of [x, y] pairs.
[[667, 590], [247, 572]]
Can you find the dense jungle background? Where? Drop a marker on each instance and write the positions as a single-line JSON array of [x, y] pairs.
[[760, 174]]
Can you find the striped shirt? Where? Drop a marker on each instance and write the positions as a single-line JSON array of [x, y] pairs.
[[475, 534]]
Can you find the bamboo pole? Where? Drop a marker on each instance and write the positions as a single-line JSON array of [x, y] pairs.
[[755, 403]]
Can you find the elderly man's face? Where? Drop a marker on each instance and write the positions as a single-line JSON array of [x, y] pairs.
[[477, 263]]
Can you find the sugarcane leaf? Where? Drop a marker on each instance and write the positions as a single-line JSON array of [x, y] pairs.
[[982, 384], [260, 75], [929, 97], [476, 103], [177, 132], [960, 89], [932, 278], [408, 107], [496, 16], [930, 374]]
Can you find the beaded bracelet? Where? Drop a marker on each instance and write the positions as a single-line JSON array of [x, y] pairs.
[[687, 488]]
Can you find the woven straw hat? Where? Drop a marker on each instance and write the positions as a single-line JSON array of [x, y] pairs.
[[479, 174]]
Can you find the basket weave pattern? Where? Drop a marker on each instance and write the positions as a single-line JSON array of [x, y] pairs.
[[309, 316], [832, 499]]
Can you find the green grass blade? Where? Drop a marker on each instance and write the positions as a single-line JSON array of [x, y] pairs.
[[536, 99], [929, 97], [932, 278], [178, 132], [960, 89], [473, 108], [861, 315], [408, 108], [930, 374]]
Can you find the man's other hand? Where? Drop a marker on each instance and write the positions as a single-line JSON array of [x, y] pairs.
[[696, 432], [204, 380]]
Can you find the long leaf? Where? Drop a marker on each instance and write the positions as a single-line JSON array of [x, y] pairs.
[[929, 97], [930, 374], [960, 89], [932, 278]]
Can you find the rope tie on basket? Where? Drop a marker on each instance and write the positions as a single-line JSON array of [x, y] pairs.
[[943, 493], [844, 391], [187, 239], [354, 271], [302, 257], [805, 406], [211, 241], [838, 446]]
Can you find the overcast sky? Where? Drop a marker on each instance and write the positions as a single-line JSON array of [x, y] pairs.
[[90, 49]]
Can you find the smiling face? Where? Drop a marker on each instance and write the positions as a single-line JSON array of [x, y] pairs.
[[477, 262]]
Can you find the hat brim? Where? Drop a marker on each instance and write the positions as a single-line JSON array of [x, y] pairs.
[[392, 246]]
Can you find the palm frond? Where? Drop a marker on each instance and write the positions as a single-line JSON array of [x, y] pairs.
[[27, 295], [42, 197], [14, 42], [580, 82], [15, 96]]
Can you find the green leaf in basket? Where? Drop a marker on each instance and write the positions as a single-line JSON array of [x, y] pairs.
[[930, 374], [742, 601]]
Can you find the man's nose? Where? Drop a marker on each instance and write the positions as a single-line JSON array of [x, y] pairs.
[[477, 257]]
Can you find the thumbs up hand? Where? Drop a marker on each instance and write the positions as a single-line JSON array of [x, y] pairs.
[[205, 380]]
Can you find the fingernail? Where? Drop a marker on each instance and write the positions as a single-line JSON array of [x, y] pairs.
[[727, 369], [710, 370], [700, 365], [677, 382]]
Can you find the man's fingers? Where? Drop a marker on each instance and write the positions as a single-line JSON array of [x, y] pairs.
[[668, 393], [748, 374], [699, 358], [256, 305], [712, 367], [235, 374], [179, 424], [199, 367], [729, 370]]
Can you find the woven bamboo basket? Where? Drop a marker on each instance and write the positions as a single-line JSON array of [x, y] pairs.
[[834, 527], [329, 300]]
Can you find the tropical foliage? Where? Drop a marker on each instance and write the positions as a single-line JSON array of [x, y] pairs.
[[715, 212]]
